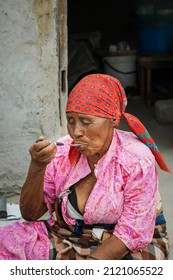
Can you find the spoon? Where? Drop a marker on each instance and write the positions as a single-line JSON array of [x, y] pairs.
[[64, 144]]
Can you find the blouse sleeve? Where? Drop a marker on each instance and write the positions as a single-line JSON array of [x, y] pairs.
[[135, 226]]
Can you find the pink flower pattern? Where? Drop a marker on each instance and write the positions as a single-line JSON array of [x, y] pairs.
[[125, 194]]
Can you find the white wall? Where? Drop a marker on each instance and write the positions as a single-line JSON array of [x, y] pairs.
[[29, 85]]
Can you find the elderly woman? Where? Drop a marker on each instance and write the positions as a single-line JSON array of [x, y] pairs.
[[100, 186]]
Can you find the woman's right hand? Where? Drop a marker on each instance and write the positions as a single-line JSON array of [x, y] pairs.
[[42, 152]]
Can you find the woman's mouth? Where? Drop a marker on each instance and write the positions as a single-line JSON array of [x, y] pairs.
[[81, 146]]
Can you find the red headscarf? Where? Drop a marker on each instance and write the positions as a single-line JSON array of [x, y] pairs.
[[103, 96]]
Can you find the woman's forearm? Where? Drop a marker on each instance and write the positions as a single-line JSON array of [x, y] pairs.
[[32, 196], [32, 205], [111, 249]]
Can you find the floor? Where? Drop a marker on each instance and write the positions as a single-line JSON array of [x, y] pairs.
[[163, 136]]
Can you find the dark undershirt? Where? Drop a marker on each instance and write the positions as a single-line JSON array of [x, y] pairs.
[[73, 199]]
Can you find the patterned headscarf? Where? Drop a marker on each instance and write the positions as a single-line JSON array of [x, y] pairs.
[[103, 96]]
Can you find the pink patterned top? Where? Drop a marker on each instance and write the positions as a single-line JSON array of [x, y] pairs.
[[125, 193]]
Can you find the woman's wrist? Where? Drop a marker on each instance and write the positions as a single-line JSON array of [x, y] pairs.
[[36, 166], [92, 257]]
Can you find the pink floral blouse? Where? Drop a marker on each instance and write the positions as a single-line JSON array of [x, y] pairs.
[[125, 193]]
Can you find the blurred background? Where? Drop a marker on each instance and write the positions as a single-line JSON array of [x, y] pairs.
[[127, 39]]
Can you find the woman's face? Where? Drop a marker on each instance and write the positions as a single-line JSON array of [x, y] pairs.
[[93, 133]]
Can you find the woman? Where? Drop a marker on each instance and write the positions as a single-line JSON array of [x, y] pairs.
[[104, 192]]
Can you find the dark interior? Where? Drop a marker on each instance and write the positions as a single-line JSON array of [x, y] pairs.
[[143, 27]]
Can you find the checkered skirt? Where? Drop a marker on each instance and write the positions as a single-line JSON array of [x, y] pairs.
[[65, 245]]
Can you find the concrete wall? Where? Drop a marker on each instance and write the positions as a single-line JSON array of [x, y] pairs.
[[29, 84]]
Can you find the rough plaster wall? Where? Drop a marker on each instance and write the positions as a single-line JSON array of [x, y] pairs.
[[28, 84]]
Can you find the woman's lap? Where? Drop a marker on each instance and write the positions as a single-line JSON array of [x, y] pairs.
[[70, 247], [30, 240]]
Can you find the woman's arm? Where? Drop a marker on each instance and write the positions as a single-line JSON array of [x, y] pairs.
[[135, 226], [32, 205], [111, 249]]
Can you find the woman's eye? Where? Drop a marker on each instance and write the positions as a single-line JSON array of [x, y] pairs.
[[70, 121], [85, 122]]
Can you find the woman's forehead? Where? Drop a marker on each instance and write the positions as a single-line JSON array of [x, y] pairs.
[[82, 115]]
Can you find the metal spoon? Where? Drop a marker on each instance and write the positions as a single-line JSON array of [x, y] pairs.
[[64, 144]]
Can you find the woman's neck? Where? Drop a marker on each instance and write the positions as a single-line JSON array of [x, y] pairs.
[[92, 161]]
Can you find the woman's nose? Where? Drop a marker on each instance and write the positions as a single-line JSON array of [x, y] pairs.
[[78, 130]]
